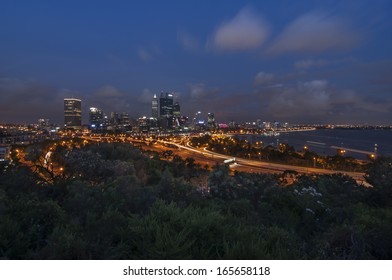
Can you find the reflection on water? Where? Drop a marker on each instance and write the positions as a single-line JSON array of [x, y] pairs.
[[326, 141]]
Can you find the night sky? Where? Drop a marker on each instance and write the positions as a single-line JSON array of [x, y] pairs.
[[295, 61]]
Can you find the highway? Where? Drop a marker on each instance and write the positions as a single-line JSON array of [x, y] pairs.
[[247, 165], [204, 156]]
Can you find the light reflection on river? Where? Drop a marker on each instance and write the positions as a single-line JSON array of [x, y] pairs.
[[322, 140]]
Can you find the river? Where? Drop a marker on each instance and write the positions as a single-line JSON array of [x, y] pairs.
[[326, 141]]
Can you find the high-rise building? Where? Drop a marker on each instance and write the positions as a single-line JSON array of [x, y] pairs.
[[177, 114], [166, 105], [176, 110], [166, 110], [96, 118], [72, 113], [154, 107], [43, 123], [124, 118], [198, 121], [211, 121], [114, 119], [144, 125]]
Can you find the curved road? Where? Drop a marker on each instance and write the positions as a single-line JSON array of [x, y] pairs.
[[261, 166]]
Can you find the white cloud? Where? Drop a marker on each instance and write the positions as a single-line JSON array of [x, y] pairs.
[[263, 78], [144, 55], [187, 41], [306, 99], [108, 91], [310, 63], [246, 31], [307, 64], [146, 96], [197, 90], [315, 32], [27, 100]]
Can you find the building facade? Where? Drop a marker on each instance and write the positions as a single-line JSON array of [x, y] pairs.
[[166, 110], [154, 107], [72, 113], [96, 117]]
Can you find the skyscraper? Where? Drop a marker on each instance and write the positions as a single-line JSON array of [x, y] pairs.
[[166, 110], [96, 118], [72, 113], [154, 107], [177, 114], [211, 121], [166, 104]]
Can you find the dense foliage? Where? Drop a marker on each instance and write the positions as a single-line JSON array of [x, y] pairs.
[[282, 153], [114, 202]]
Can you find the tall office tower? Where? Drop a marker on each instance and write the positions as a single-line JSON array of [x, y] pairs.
[[166, 110], [177, 114], [43, 123], [211, 121], [176, 110], [198, 121], [72, 113], [114, 119], [124, 119], [154, 107], [96, 118]]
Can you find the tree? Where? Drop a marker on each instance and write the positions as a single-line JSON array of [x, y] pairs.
[[379, 175]]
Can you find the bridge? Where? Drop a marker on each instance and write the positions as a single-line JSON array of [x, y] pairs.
[[353, 150]]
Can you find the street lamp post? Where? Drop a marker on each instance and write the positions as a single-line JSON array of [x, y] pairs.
[[314, 162]]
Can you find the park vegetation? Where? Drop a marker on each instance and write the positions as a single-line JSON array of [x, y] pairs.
[[283, 153], [113, 201]]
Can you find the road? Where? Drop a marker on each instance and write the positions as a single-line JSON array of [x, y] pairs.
[[204, 156], [247, 165]]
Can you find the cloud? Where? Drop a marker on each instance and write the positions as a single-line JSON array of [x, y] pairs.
[[108, 91], [320, 101], [187, 41], [315, 32], [200, 91], [27, 100], [144, 55], [306, 99], [146, 96], [246, 31], [310, 63], [307, 64], [263, 78], [109, 99], [197, 90]]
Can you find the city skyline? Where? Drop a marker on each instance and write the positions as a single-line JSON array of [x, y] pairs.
[[315, 62]]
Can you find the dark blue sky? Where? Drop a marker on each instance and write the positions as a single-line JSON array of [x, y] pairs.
[[297, 61]]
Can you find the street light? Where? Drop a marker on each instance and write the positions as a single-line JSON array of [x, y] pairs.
[[314, 162]]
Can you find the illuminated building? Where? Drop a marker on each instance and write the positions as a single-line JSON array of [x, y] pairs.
[[96, 118], [198, 121], [177, 114], [154, 107], [4, 153], [72, 113], [211, 121], [166, 110], [144, 124], [124, 119]]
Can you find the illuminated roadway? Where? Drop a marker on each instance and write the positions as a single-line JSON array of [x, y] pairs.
[[247, 165], [205, 156]]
